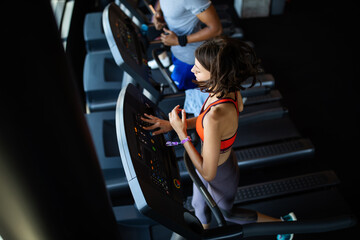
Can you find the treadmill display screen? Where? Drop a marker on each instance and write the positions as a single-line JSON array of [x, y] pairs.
[[151, 153], [124, 37]]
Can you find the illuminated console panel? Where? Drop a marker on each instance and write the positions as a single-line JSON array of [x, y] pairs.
[[127, 46], [150, 166]]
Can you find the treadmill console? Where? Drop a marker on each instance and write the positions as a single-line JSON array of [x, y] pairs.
[[127, 46], [150, 166], [152, 159], [122, 32]]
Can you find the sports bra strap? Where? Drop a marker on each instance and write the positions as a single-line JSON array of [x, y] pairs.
[[225, 143], [221, 100]]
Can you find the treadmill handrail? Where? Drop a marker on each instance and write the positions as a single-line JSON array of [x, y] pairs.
[[272, 228], [303, 226], [168, 78], [208, 198]]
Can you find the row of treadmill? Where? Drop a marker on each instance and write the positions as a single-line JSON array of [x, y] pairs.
[[277, 164]]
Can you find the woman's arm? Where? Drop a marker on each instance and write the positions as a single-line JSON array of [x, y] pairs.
[[164, 126], [191, 123], [208, 162]]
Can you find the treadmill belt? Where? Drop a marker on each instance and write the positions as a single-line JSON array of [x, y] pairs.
[[260, 155], [273, 95], [281, 187]]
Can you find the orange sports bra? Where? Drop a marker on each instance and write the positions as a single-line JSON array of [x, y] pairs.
[[225, 143]]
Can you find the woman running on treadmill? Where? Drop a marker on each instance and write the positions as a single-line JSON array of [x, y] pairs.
[[221, 65]]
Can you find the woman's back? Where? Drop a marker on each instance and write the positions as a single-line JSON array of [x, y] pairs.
[[222, 113]]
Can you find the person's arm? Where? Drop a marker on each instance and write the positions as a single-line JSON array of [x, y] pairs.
[[213, 28], [191, 123], [207, 163], [158, 18], [164, 126]]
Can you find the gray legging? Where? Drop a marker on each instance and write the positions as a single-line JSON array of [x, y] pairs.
[[223, 189]]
